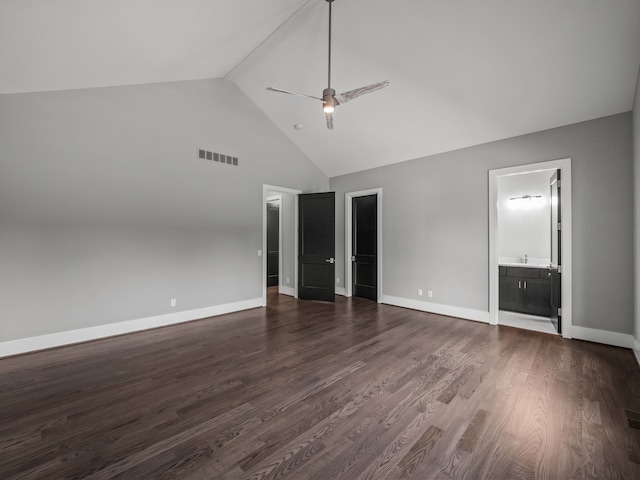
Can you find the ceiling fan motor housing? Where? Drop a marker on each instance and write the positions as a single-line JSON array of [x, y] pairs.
[[328, 98]]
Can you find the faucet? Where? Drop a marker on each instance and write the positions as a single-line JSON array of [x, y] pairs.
[[526, 259]]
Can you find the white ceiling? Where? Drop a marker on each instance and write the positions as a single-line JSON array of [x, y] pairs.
[[462, 72]]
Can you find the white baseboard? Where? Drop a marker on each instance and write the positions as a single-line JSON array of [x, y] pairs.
[[465, 313], [581, 333], [287, 291], [31, 344], [341, 291], [602, 336]]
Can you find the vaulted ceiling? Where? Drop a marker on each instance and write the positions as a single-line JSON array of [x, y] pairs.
[[462, 72]]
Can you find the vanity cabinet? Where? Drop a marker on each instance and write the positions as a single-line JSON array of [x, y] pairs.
[[525, 290]]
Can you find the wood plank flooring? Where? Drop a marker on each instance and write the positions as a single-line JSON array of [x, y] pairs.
[[312, 391]]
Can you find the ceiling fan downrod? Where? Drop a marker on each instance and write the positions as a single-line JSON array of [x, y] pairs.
[[329, 101], [329, 69]]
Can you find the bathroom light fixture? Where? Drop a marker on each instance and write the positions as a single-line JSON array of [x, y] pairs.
[[526, 197], [527, 202]]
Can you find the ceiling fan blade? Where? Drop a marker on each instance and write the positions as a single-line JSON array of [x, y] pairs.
[[293, 93], [329, 120], [351, 94]]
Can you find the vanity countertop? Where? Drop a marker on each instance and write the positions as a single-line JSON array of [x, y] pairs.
[[524, 265]]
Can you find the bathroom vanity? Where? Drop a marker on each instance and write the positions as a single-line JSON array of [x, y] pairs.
[[525, 288]]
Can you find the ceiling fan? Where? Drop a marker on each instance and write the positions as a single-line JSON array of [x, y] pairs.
[[330, 99]]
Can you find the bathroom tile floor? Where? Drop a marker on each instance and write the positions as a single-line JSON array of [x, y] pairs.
[[528, 322]]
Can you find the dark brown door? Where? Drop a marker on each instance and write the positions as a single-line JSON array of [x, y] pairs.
[[556, 252], [316, 249], [273, 243], [364, 260]]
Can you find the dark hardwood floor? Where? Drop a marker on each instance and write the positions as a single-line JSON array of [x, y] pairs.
[[310, 391]]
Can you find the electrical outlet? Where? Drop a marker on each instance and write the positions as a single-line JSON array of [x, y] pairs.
[[287, 279], [337, 279], [429, 294], [259, 253], [173, 302], [420, 292]]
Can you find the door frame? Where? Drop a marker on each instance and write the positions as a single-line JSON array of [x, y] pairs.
[[269, 191], [348, 228], [564, 165]]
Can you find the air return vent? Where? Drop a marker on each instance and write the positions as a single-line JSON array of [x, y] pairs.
[[217, 157]]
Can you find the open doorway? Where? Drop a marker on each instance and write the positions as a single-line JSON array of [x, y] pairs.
[[524, 251], [363, 244], [525, 285], [274, 243], [286, 265]]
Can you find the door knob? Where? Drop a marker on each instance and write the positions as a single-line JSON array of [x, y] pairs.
[[353, 258], [331, 260]]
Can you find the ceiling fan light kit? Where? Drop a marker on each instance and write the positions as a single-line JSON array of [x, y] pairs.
[[330, 100]]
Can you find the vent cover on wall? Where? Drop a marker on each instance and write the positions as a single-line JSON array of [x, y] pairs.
[[217, 157]]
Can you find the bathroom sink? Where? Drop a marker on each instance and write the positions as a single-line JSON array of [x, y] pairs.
[[519, 262], [526, 265]]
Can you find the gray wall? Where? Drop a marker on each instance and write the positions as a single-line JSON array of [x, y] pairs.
[[106, 214], [435, 219]]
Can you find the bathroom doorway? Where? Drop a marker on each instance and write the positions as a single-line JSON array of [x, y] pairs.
[[522, 222]]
